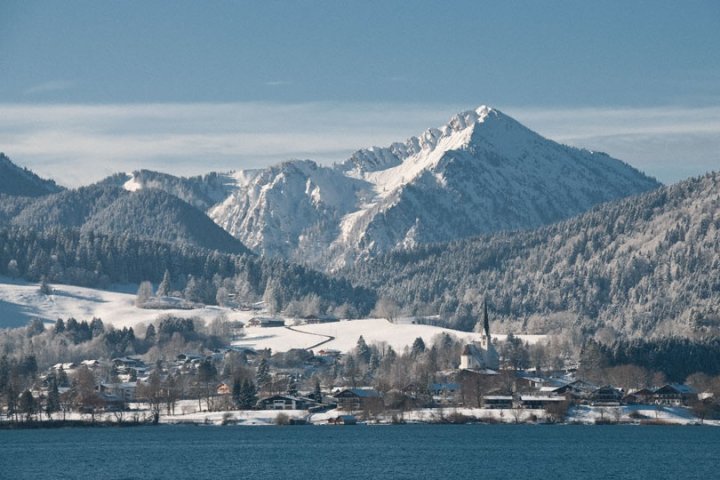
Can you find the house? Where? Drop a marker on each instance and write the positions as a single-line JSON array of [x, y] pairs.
[[644, 395], [285, 402], [65, 366], [578, 389], [190, 358], [497, 401], [129, 365], [343, 420], [444, 393], [265, 322], [111, 402], [328, 355], [125, 391], [533, 402], [674, 394], [606, 395], [525, 383], [358, 399], [328, 352], [223, 389], [315, 320]]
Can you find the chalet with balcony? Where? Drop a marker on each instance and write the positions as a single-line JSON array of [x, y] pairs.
[[352, 399]]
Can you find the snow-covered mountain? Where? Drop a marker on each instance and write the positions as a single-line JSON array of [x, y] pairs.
[[481, 172], [293, 210]]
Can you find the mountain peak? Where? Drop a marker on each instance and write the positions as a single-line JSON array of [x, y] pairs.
[[374, 159], [463, 120]]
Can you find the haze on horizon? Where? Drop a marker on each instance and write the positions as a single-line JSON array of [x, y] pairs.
[[92, 88]]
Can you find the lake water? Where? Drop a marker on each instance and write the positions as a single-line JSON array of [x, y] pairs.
[[360, 452]]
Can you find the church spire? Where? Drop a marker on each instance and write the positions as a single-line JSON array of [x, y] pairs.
[[486, 321]]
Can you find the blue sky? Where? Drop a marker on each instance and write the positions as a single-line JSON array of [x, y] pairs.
[[189, 87]]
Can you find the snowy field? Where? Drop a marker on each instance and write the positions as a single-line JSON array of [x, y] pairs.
[[343, 335], [20, 302]]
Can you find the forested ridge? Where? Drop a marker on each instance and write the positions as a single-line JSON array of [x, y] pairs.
[[647, 265], [15, 180], [151, 214]]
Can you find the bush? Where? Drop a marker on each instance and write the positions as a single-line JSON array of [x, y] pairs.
[[459, 419], [282, 419]]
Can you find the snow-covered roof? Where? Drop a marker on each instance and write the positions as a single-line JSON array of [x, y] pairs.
[[361, 392], [536, 398], [551, 389], [677, 387]]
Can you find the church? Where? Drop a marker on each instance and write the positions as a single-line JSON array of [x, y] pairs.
[[481, 355]]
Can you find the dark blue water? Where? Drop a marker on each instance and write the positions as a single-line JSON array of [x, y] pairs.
[[372, 452]]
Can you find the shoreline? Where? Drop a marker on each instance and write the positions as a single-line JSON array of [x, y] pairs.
[[59, 424]]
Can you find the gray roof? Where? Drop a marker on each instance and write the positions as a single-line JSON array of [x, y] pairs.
[[361, 392]]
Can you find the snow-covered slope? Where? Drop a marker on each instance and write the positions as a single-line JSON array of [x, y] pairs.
[[481, 172], [20, 302]]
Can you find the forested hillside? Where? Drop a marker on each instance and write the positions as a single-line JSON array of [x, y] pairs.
[[154, 214], [151, 214], [89, 259], [18, 181], [201, 192], [643, 266]]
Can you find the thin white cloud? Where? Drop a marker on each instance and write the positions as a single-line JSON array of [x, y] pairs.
[[670, 143], [278, 83], [79, 144], [51, 86]]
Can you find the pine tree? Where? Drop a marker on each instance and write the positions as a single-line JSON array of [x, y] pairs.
[[59, 326], [390, 356], [165, 285], [62, 378], [150, 335], [27, 404], [292, 387], [418, 347], [237, 393], [53, 400], [262, 376], [192, 290], [97, 327], [144, 294], [45, 287], [363, 351], [248, 396], [317, 392], [272, 297], [374, 363]]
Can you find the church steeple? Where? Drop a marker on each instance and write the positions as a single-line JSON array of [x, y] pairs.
[[486, 321]]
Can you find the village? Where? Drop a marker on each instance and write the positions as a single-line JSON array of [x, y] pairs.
[[449, 381]]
